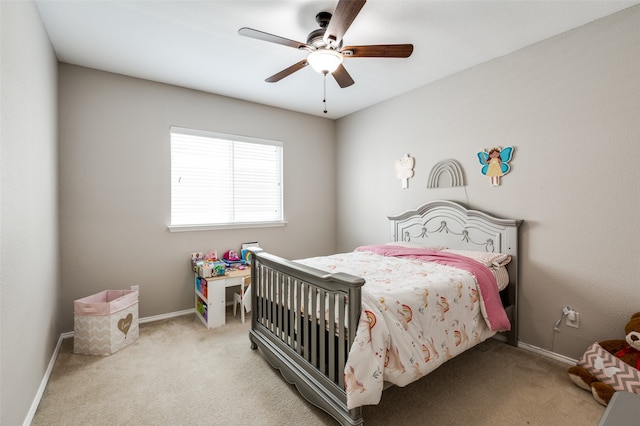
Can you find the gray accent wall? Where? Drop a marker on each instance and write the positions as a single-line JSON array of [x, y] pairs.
[[570, 106], [29, 255]]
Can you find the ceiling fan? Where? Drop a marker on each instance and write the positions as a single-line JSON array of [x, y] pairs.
[[325, 48]]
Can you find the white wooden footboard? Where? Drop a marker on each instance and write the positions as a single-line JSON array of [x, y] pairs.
[[304, 321]]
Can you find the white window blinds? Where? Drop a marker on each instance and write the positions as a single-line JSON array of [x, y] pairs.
[[224, 180]]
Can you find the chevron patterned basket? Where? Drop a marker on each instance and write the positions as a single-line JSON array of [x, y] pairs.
[[610, 370], [105, 322]]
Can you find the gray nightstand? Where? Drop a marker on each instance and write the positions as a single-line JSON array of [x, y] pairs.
[[623, 410]]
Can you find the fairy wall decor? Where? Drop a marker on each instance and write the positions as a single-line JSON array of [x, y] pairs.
[[495, 163]]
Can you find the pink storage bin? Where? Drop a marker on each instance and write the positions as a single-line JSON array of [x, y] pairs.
[[105, 322]]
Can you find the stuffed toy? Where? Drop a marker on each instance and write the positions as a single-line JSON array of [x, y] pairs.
[[611, 365]]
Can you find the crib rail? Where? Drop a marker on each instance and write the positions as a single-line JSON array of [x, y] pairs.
[[305, 321]]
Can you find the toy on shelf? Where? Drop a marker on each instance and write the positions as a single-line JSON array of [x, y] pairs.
[[231, 259], [245, 252], [207, 266], [195, 258], [212, 256]]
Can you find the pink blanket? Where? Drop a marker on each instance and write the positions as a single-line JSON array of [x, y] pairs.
[[491, 305]]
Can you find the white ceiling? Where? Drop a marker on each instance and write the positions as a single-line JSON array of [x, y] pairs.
[[195, 44]]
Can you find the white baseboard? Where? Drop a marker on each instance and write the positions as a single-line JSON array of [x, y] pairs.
[[56, 351], [547, 353], [43, 384], [166, 316]]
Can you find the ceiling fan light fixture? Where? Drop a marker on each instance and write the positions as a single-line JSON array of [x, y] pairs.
[[324, 60]]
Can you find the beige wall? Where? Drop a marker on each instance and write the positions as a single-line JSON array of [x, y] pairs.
[[571, 108], [115, 186], [29, 276], [568, 105]]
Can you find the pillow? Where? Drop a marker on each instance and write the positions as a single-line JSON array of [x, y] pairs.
[[414, 245], [494, 261], [486, 258], [502, 276]]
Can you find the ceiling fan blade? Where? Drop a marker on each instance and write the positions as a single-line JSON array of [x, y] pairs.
[[287, 71], [346, 11], [261, 35], [342, 77], [378, 51]]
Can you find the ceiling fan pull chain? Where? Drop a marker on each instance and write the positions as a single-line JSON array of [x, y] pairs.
[[324, 100]]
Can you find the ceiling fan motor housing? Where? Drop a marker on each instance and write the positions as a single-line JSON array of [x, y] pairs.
[[316, 37]]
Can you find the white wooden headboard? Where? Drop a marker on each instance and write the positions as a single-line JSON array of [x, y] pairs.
[[449, 224]]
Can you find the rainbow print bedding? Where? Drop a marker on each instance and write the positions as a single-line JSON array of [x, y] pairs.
[[418, 311]]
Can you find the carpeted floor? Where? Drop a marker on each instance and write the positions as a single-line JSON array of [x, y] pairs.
[[180, 373]]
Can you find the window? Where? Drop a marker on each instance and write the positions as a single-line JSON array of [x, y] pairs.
[[224, 180]]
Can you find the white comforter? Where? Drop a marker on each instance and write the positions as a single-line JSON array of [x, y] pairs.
[[416, 315]]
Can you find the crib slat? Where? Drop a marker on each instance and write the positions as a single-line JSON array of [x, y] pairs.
[[322, 344], [305, 317], [342, 342], [315, 324], [292, 318], [331, 340], [298, 302]]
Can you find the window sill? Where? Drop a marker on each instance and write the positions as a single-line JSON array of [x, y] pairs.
[[212, 227]]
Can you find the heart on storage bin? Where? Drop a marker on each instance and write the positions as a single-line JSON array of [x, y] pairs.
[[125, 323]]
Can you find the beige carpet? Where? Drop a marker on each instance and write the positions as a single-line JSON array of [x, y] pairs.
[[180, 373]]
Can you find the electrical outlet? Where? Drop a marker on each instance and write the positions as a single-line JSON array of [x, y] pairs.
[[573, 319], [135, 288]]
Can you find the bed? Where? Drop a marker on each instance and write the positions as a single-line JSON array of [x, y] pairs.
[[429, 296]]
